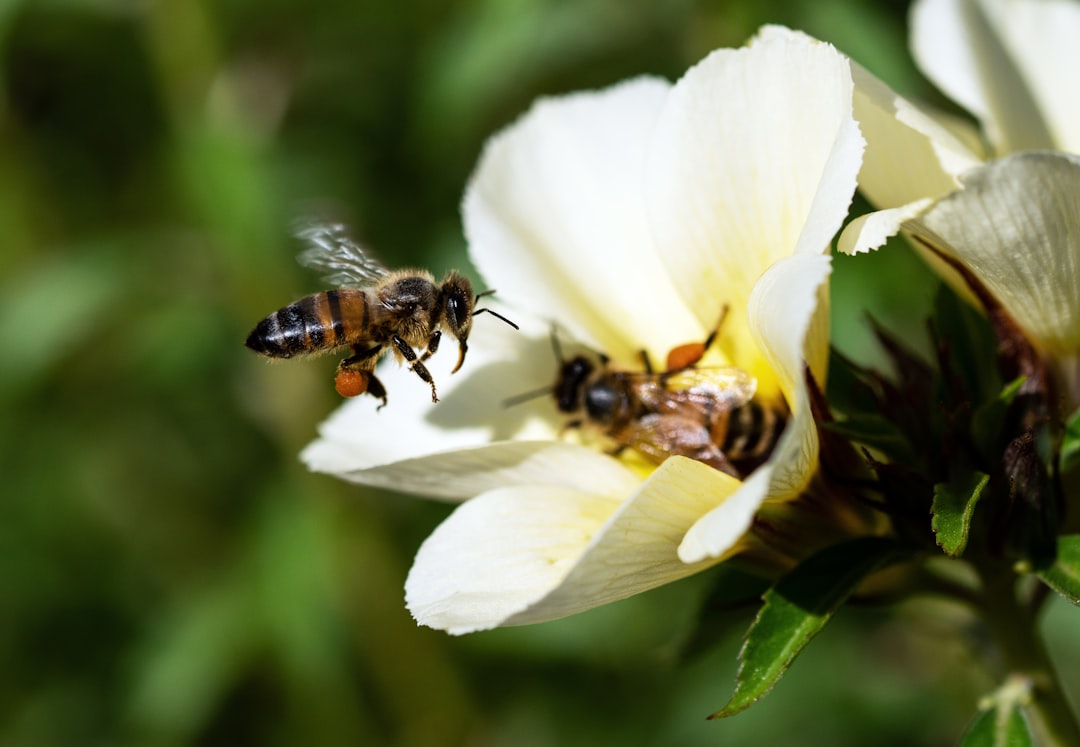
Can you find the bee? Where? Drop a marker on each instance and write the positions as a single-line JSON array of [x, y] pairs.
[[707, 414], [374, 311]]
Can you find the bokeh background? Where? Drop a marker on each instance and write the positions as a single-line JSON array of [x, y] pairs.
[[169, 572]]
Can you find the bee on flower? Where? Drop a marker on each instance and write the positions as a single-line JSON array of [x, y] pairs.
[[626, 217]]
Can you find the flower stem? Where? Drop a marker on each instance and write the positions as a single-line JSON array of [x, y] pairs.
[[1015, 630]]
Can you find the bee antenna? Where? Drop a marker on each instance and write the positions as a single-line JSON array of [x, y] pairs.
[[518, 399], [495, 313], [555, 344]]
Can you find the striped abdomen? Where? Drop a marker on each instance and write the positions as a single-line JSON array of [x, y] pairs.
[[314, 324], [748, 433]]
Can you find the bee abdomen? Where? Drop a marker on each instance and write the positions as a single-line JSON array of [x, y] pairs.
[[751, 433], [311, 325]]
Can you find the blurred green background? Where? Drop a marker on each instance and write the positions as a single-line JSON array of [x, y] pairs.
[[169, 572]]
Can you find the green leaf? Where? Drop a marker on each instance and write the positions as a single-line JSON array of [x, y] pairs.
[[1070, 445], [953, 508], [1063, 575], [875, 432], [970, 345], [988, 419], [998, 727], [797, 608]]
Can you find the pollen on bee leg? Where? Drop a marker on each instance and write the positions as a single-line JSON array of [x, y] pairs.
[[350, 383], [684, 356]]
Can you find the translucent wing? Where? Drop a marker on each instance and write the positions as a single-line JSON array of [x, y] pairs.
[[339, 259], [705, 388], [732, 386], [661, 436]]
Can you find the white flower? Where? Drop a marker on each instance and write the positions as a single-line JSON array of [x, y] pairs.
[[628, 217], [1016, 226], [1012, 64]]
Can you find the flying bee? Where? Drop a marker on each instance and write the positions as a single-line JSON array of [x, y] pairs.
[[710, 414], [373, 312]]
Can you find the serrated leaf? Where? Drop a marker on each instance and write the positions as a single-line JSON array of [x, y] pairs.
[[797, 608], [1063, 575], [1070, 444], [953, 509], [998, 727]]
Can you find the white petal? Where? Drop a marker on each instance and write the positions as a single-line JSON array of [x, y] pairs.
[[910, 155], [1042, 37], [499, 553], [1016, 225], [719, 531], [460, 474], [411, 442], [555, 219], [530, 554], [789, 316], [753, 144], [870, 231], [959, 44]]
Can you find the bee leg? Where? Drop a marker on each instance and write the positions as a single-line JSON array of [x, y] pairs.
[[615, 451], [682, 357], [362, 361], [570, 425], [646, 361], [376, 389], [432, 345], [417, 366], [361, 355]]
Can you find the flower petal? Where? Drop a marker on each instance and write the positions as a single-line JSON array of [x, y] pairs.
[[1016, 225], [789, 316], [963, 46], [530, 554], [460, 474], [411, 445], [555, 218], [1041, 36], [755, 158], [872, 230], [910, 155]]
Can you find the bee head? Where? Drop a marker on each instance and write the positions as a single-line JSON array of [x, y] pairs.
[[571, 382], [457, 301], [458, 310], [457, 305]]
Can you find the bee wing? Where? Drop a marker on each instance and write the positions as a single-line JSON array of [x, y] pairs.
[[337, 256], [702, 388], [729, 386], [663, 435]]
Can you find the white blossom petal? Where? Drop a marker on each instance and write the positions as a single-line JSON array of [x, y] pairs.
[[789, 316], [530, 554], [1011, 63], [872, 230], [755, 158], [556, 220], [463, 473], [910, 155], [1016, 226], [1042, 37], [411, 442], [959, 45]]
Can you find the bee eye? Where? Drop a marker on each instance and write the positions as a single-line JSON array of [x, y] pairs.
[[457, 311]]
